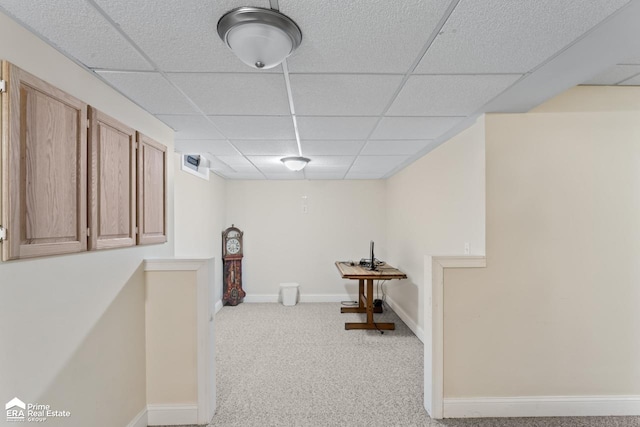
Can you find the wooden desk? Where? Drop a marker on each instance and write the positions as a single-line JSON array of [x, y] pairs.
[[365, 300]]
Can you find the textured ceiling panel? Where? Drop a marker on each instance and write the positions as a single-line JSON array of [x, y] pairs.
[[179, 36], [615, 75], [386, 148], [215, 147], [327, 163], [361, 35], [238, 163], [284, 175], [414, 127], [255, 127], [191, 127], [268, 163], [354, 57], [61, 21], [235, 94], [376, 164], [634, 81], [448, 95], [149, 90], [324, 175], [335, 127], [497, 36], [342, 94], [312, 147], [266, 147]]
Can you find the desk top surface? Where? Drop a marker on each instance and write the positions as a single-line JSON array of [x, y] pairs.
[[383, 272]]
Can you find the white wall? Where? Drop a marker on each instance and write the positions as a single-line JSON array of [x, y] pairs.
[[72, 327], [433, 207], [283, 244], [200, 217], [556, 311]]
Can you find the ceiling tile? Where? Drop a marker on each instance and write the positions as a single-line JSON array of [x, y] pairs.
[[361, 35], [335, 127], [497, 36], [376, 164], [615, 75], [374, 167], [284, 175], [191, 127], [364, 175], [215, 147], [180, 38], [389, 147], [61, 21], [238, 163], [634, 81], [270, 164], [450, 95], [255, 127], [324, 175], [266, 148], [313, 147], [243, 175], [149, 90], [343, 94], [319, 163], [414, 127], [235, 94], [218, 165]]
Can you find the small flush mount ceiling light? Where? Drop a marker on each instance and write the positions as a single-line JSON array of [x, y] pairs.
[[295, 163], [261, 38]]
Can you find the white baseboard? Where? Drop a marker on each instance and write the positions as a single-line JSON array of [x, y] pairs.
[[250, 298], [139, 420], [417, 330], [542, 406], [218, 306], [166, 415]]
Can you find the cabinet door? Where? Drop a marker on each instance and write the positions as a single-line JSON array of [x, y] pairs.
[[152, 191], [112, 178], [44, 162]]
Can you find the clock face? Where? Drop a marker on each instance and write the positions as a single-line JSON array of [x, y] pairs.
[[233, 246]]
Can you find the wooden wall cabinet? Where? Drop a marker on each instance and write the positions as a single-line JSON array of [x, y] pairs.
[[112, 182], [73, 178], [152, 191], [44, 164]]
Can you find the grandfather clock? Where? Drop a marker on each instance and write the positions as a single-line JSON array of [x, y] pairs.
[[232, 293]]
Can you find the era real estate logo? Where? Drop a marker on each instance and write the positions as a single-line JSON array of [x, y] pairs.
[[15, 410], [18, 412]]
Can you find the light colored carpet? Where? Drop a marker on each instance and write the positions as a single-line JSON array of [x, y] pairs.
[[297, 366]]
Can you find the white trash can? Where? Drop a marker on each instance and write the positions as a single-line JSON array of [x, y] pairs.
[[289, 293]]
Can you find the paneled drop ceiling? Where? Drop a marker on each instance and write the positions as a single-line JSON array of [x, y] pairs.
[[375, 84]]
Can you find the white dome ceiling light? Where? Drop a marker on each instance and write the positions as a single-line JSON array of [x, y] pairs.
[[295, 163], [261, 38]]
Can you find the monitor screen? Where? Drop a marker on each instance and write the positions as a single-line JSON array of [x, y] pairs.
[[372, 258]]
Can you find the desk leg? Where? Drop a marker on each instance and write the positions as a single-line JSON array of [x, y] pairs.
[[361, 308], [369, 310], [369, 301]]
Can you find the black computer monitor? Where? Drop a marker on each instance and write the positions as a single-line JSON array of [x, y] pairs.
[[372, 258]]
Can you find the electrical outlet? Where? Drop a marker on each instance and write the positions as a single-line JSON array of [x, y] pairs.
[[466, 248], [305, 205]]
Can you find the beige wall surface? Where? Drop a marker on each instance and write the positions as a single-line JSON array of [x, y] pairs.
[[283, 244], [433, 207], [62, 317], [171, 337], [556, 311], [200, 217]]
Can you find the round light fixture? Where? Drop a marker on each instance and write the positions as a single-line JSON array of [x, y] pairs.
[[261, 38], [295, 163]]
